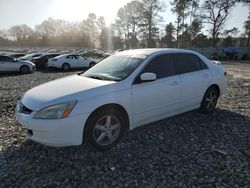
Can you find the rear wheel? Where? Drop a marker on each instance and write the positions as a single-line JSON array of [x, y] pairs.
[[209, 100], [65, 67], [104, 129], [24, 69]]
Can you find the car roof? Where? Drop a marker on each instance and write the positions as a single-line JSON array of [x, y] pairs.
[[150, 51]]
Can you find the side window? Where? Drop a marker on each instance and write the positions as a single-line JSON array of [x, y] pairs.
[[203, 65], [69, 57], [187, 63], [5, 58], [162, 66]]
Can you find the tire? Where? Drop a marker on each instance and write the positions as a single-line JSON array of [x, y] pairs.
[[209, 100], [65, 66], [24, 69], [104, 129], [91, 64]]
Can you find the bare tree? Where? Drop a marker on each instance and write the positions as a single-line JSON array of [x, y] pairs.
[[216, 15], [20, 33]]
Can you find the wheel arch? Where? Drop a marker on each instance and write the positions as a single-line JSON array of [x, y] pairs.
[[24, 65], [65, 63], [216, 87], [116, 106]]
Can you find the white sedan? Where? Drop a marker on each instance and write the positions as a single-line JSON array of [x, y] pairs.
[[68, 61], [9, 64], [122, 92]]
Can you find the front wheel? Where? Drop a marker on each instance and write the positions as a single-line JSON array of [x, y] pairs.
[[105, 129], [24, 69], [209, 100]]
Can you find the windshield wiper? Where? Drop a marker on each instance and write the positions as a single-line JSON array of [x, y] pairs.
[[95, 77]]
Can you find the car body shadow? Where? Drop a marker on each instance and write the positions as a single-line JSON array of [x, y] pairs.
[[11, 74]]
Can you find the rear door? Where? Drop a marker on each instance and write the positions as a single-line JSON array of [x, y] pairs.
[[155, 100], [195, 78]]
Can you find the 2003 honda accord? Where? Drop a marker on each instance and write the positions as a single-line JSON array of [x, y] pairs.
[[122, 92]]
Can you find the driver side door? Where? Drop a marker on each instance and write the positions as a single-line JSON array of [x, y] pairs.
[[160, 98]]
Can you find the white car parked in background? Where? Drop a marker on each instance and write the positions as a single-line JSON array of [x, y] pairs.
[[120, 93], [10, 64], [68, 61]]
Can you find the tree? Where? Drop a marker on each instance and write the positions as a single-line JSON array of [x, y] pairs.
[[20, 33], [183, 9], [135, 11], [150, 20], [216, 15], [169, 37], [91, 27], [46, 31], [195, 29], [129, 18], [201, 41], [247, 29]]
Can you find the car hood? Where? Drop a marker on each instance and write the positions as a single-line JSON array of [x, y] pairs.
[[69, 88], [26, 62]]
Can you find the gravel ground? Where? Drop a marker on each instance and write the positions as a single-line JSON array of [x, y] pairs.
[[188, 150]]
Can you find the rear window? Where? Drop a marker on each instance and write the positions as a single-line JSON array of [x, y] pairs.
[[188, 63]]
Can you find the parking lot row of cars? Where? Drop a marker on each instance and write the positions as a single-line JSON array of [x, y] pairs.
[[41, 61]]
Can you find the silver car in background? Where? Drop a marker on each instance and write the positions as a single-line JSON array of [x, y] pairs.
[[10, 64]]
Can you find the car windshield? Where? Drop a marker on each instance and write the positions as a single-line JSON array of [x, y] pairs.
[[26, 56], [115, 68]]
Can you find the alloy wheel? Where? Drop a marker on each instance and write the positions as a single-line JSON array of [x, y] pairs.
[[106, 130], [211, 100]]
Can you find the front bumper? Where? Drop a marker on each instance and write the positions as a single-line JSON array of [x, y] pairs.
[[53, 132]]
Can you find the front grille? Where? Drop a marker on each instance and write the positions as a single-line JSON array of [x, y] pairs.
[[24, 109]]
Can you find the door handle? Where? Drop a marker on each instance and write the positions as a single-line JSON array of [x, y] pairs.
[[174, 83]]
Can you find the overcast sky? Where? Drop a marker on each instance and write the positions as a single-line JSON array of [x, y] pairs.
[[32, 12]]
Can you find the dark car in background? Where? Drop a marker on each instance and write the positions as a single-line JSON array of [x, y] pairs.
[[41, 61]]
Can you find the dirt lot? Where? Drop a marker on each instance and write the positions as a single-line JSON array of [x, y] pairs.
[[189, 150]]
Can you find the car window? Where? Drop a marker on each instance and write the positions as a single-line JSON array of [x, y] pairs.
[[187, 63], [162, 66], [116, 67], [5, 58], [69, 57]]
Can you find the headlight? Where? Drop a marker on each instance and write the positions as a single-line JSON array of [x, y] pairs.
[[57, 111]]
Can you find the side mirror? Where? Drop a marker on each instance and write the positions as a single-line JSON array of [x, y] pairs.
[[148, 77]]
